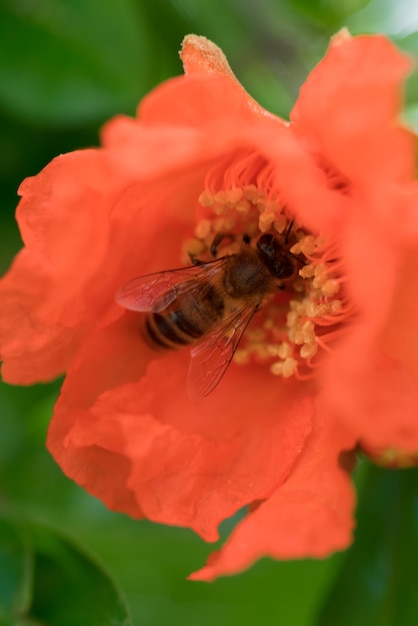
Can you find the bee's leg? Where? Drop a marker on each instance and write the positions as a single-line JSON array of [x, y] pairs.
[[215, 243], [194, 260], [246, 239]]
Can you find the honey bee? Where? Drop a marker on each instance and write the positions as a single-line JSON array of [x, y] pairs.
[[210, 304]]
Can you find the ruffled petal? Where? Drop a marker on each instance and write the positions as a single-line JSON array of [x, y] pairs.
[[399, 337], [31, 350], [377, 400], [310, 515], [112, 355], [371, 378], [64, 222], [348, 108], [202, 56], [198, 101], [191, 464]]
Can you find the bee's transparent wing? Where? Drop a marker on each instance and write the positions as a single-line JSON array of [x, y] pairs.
[[155, 292], [210, 358]]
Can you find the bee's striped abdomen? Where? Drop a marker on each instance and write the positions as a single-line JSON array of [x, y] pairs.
[[189, 321]]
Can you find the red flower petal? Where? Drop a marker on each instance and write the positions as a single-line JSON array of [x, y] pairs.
[[201, 56], [348, 106], [31, 350], [190, 464], [377, 400], [62, 219], [310, 515], [400, 335]]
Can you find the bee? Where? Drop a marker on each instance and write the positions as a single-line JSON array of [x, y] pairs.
[[208, 305]]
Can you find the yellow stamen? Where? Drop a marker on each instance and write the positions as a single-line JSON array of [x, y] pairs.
[[292, 332]]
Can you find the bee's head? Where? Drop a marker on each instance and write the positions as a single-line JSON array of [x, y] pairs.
[[279, 261]]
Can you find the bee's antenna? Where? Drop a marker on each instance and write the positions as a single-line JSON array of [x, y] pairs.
[[286, 239], [295, 256], [289, 228]]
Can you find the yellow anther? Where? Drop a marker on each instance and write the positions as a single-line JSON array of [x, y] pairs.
[[308, 350], [221, 197], [251, 193], [330, 287], [242, 357], [308, 330], [256, 334], [289, 367], [335, 306], [271, 206], [273, 349], [243, 207], [297, 336], [292, 318], [206, 199], [261, 351], [296, 248], [224, 224], [307, 245], [203, 229], [265, 221], [307, 271], [319, 280], [234, 195], [218, 208], [276, 368], [193, 247], [311, 309], [280, 223], [285, 350]]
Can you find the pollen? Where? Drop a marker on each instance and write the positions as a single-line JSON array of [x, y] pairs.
[[295, 327], [285, 368], [280, 223], [265, 221]]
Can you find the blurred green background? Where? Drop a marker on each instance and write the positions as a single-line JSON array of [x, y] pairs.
[[66, 66]]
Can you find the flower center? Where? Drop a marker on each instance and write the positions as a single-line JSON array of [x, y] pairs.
[[309, 310]]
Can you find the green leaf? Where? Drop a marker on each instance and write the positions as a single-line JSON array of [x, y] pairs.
[[385, 16], [153, 563], [328, 11], [15, 571], [410, 116], [46, 579], [378, 580], [409, 45], [70, 62]]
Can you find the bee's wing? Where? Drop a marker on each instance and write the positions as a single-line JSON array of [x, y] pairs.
[[211, 357], [155, 292]]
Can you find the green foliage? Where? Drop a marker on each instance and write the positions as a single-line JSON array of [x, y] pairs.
[[72, 62], [46, 579], [15, 572], [377, 582]]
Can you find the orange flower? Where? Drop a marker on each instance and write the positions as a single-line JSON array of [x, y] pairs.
[[328, 364]]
